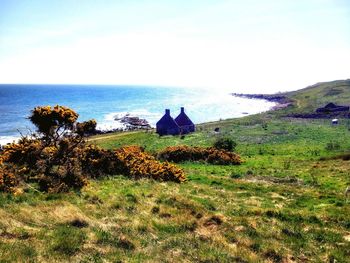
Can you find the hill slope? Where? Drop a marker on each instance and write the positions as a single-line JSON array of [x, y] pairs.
[[318, 95]]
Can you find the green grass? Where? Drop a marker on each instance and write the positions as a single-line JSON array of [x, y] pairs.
[[284, 203], [67, 240]]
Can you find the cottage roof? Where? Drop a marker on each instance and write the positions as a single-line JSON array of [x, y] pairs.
[[167, 120], [331, 105], [183, 119]]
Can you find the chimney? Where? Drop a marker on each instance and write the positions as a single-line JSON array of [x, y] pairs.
[[167, 112], [182, 110]]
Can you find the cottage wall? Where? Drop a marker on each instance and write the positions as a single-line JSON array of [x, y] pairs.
[[165, 130], [187, 129]]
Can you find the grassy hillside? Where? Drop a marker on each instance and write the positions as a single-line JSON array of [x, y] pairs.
[[286, 202], [312, 97]]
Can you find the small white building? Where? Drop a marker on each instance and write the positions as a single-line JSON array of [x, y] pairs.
[[335, 121]]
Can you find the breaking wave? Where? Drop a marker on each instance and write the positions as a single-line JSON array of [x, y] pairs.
[[8, 139]]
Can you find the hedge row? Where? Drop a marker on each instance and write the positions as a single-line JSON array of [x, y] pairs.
[[211, 155], [130, 161], [54, 170]]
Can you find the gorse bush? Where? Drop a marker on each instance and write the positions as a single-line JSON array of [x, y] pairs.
[[182, 153], [130, 161], [97, 162], [86, 128], [225, 144], [58, 158], [25, 152], [53, 122], [52, 156], [8, 180], [138, 164], [222, 157], [211, 155]]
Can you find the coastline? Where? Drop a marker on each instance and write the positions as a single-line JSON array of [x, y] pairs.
[[128, 121], [105, 104], [283, 101], [280, 100]]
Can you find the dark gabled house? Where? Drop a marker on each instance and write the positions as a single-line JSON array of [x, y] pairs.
[[181, 125], [184, 122], [167, 126], [331, 107]]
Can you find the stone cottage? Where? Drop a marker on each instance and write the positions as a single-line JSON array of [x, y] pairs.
[[184, 122], [181, 125], [331, 107], [167, 126]]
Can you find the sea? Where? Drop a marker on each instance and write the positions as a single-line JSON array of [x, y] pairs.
[[105, 103]]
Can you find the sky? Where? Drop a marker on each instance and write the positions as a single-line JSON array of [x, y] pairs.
[[243, 46]]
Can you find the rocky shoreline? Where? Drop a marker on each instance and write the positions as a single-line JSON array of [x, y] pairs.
[[128, 123], [280, 100], [134, 122], [283, 102]]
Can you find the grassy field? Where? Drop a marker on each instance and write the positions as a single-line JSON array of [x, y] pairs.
[[286, 203]]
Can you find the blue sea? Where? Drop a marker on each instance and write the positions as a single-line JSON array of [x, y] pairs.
[[105, 103]]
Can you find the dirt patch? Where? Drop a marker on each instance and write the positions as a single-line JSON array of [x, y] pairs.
[[214, 221], [79, 223], [164, 215], [21, 236], [204, 234], [8, 235]]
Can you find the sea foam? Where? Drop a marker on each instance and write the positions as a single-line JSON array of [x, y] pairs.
[[8, 139]]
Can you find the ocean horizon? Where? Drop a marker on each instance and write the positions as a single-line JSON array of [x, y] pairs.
[[104, 103]]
